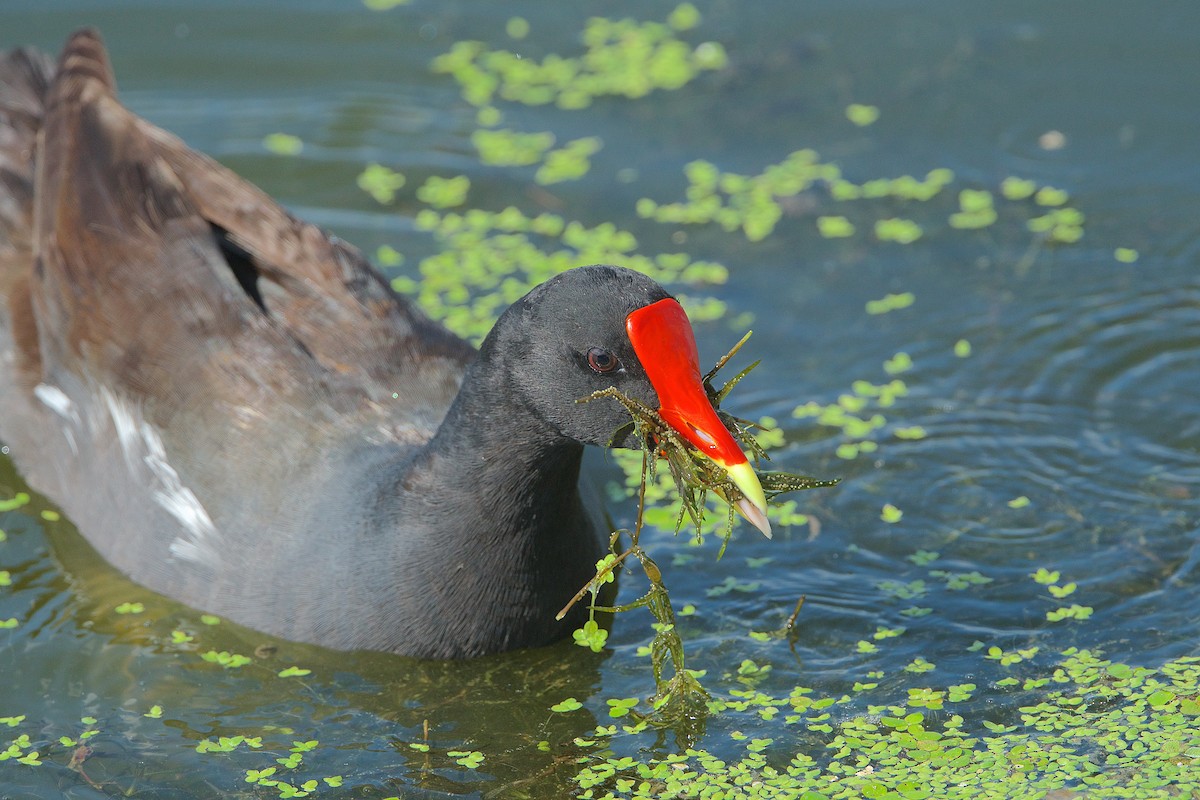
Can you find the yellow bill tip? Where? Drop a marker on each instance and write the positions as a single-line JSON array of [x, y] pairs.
[[753, 504]]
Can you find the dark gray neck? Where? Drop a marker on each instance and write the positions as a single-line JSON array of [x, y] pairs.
[[496, 539], [503, 460]]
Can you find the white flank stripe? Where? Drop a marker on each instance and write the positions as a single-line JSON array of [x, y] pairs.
[[181, 502], [146, 458], [57, 401]]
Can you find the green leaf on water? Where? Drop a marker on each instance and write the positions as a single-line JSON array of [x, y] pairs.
[[14, 502], [283, 144], [294, 672], [591, 636], [833, 227], [380, 182], [570, 704], [517, 27], [443, 192], [1059, 592], [1045, 576], [1017, 188], [862, 115]]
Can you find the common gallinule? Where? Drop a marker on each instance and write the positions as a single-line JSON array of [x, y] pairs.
[[239, 413]]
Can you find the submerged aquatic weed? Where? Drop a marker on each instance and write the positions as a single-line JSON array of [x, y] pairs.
[[679, 700]]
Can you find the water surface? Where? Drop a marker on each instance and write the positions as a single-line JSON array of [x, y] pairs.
[[1068, 439]]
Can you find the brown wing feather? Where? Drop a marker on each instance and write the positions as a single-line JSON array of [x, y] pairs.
[[157, 270], [24, 78]]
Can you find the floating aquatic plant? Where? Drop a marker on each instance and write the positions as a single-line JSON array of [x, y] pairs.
[[508, 148], [569, 162], [1108, 730], [444, 192], [862, 115], [487, 260], [380, 182], [858, 413], [283, 144], [755, 204], [621, 57]]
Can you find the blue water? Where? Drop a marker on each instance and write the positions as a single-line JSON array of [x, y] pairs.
[[1078, 393]]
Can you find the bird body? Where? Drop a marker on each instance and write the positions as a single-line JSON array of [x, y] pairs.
[[238, 412]]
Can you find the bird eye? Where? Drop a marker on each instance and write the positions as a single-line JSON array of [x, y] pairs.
[[601, 360]]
